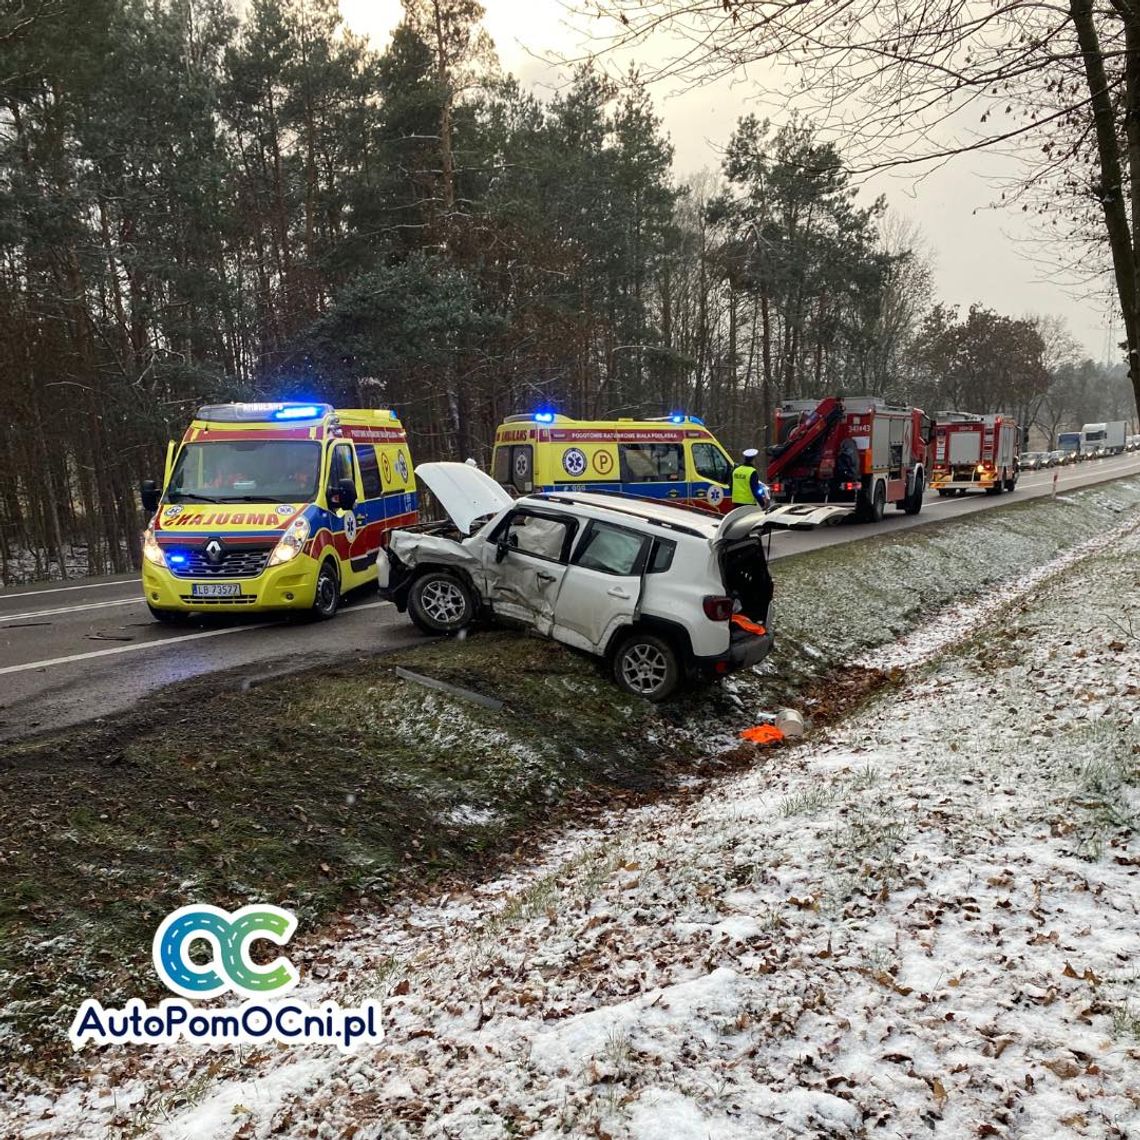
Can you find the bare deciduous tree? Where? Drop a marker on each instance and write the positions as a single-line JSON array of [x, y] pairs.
[[915, 83]]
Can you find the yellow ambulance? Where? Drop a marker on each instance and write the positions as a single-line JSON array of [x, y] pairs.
[[675, 459], [277, 506]]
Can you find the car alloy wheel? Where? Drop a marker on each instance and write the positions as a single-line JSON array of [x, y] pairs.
[[644, 668], [444, 601]]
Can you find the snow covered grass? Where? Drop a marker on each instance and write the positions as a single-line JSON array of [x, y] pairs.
[[924, 920], [839, 602]]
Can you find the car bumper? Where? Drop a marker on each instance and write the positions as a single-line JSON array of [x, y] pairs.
[[291, 586], [394, 578], [744, 650]]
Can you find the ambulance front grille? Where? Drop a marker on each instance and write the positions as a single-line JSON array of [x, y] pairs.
[[233, 564], [247, 600]]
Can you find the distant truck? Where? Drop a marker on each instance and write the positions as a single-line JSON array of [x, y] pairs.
[[1107, 437], [974, 453], [845, 455], [1070, 443]]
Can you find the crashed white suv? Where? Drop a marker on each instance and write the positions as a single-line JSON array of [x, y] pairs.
[[661, 592]]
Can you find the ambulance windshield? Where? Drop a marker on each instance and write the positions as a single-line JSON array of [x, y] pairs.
[[246, 471]]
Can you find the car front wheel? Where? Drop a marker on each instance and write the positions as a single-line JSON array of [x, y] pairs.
[[646, 666], [440, 603]]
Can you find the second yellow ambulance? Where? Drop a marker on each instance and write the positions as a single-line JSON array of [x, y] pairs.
[[675, 459]]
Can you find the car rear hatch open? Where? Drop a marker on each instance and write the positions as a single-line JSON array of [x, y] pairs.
[[739, 548]]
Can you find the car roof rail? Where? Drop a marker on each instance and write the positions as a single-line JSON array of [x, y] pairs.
[[571, 500]]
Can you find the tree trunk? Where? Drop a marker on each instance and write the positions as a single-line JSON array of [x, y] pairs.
[[1112, 189]]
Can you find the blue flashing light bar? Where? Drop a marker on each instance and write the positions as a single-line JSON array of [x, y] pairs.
[[677, 418], [544, 417], [299, 412], [176, 559]]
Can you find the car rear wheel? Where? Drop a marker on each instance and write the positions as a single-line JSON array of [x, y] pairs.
[[646, 666], [326, 600], [439, 602]]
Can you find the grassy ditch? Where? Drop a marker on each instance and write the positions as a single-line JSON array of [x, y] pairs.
[[835, 604], [337, 788]]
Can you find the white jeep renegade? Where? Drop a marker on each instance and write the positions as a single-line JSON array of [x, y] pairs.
[[660, 591]]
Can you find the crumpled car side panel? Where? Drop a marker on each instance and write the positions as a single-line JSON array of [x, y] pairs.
[[407, 550]]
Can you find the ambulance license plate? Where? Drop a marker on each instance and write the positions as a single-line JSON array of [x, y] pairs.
[[215, 590]]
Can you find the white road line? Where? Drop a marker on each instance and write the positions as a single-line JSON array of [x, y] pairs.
[[62, 589], [166, 641], [4, 618]]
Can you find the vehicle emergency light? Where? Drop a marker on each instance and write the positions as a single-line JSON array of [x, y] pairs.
[[261, 413], [299, 412], [544, 417]]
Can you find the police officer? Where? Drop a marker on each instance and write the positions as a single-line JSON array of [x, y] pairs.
[[747, 489]]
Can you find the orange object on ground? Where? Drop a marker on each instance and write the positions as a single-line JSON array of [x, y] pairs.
[[748, 625], [762, 734]]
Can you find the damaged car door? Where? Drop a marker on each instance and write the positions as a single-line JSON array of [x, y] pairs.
[[601, 587], [525, 557]]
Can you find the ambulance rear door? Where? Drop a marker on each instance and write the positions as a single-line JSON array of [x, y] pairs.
[[514, 466]]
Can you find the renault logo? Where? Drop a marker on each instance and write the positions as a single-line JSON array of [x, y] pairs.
[[214, 551]]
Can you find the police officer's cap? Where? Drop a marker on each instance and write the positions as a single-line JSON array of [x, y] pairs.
[[750, 453]]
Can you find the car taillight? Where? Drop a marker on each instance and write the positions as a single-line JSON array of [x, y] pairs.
[[776, 488], [717, 609]]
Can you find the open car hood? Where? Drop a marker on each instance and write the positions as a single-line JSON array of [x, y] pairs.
[[464, 492], [738, 524]]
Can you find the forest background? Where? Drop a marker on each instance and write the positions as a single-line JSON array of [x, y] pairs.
[[196, 207]]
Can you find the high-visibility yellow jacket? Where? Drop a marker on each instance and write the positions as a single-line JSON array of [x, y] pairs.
[[742, 477]]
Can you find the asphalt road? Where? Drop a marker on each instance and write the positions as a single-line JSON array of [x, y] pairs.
[[76, 651]]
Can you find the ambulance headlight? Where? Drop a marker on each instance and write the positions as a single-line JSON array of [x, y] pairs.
[[152, 552], [291, 544]]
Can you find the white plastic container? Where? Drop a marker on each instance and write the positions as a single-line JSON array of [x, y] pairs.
[[789, 722]]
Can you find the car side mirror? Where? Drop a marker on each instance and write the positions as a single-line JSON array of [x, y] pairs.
[[150, 494], [502, 549], [346, 494]]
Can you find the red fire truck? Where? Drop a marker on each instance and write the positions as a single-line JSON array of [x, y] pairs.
[[844, 455], [974, 453]]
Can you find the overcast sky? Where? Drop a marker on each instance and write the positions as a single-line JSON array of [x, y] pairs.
[[979, 254]]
